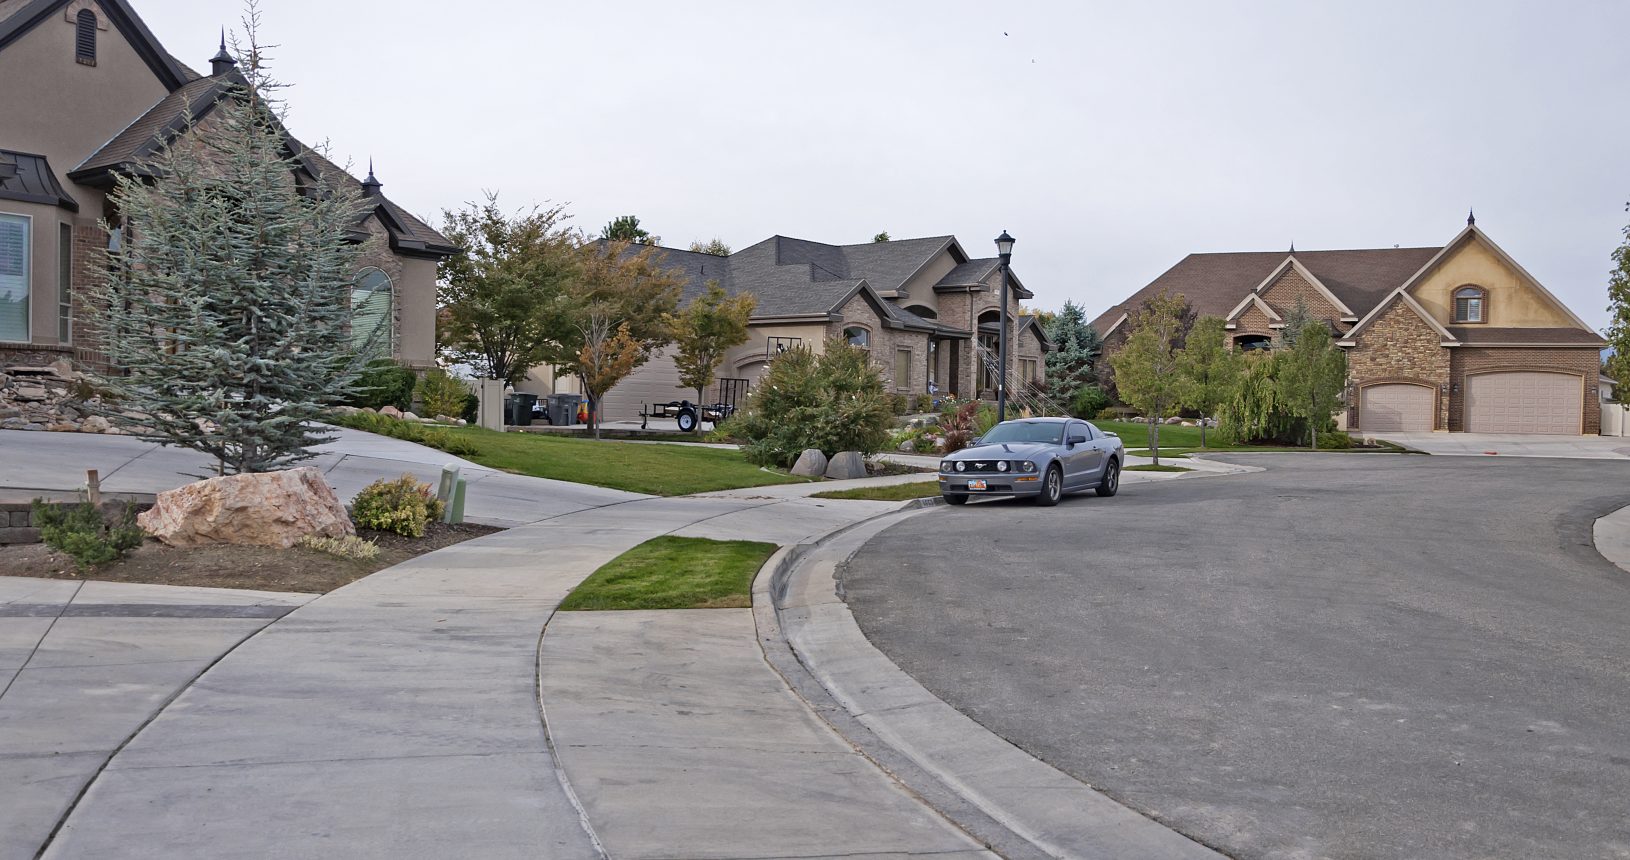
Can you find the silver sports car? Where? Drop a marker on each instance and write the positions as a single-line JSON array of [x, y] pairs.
[[1040, 457]]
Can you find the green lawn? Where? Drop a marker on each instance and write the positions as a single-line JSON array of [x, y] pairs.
[[1150, 467], [1381, 447], [1134, 434], [886, 493], [674, 573], [660, 470]]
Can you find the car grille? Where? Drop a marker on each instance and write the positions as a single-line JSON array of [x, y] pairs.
[[977, 466]]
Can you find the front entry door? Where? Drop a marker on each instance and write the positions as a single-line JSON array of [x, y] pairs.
[[953, 381]]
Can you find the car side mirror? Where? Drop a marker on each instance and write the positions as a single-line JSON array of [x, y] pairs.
[[1112, 434], [1076, 440], [975, 441]]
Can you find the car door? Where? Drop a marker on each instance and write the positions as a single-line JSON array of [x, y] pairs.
[[1085, 458]]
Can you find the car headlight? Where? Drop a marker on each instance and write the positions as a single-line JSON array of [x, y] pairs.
[[1028, 466], [961, 466], [1001, 466]]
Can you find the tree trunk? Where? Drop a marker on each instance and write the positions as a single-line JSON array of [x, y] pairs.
[[698, 428], [1202, 432], [1154, 436]]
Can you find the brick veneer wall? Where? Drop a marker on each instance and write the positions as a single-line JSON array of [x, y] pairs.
[[1282, 294], [1470, 360], [883, 342], [1398, 346], [1251, 321]]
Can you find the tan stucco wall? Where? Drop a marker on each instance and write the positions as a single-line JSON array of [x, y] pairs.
[[416, 313], [1512, 300], [919, 288], [55, 107]]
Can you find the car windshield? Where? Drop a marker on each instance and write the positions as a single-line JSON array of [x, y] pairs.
[[1049, 432]]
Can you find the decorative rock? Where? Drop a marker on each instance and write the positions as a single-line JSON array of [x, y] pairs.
[[846, 465], [908, 447], [32, 426], [95, 424], [1174, 420], [410, 416], [29, 392], [63, 367], [811, 463], [392, 411], [266, 509], [63, 427]]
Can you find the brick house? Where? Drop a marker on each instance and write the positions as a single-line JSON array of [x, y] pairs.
[[88, 94], [925, 310], [1457, 338]]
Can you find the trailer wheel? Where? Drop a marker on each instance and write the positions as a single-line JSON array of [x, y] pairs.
[[687, 420]]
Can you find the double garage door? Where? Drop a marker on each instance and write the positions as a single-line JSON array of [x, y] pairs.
[[1524, 402], [1512, 402]]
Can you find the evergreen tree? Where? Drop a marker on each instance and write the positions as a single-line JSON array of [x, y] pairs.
[[714, 246], [626, 228], [1297, 319], [1076, 346], [227, 303], [1618, 295]]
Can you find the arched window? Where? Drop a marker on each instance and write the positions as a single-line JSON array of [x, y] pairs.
[[1471, 305], [371, 315], [923, 311], [85, 37], [857, 336]]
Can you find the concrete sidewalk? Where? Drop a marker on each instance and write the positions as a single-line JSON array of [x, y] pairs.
[[83, 665], [399, 717], [1513, 445], [57, 461]]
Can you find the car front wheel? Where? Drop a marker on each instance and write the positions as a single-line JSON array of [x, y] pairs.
[[1052, 487], [955, 498], [1112, 480]]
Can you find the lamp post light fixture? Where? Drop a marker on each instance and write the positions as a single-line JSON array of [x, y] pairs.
[[1004, 253]]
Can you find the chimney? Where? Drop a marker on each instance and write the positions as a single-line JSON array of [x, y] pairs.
[[222, 62]]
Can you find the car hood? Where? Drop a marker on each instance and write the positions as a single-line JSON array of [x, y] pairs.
[[1008, 451]]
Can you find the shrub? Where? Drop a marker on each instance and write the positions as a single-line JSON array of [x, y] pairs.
[[442, 393], [1109, 413], [384, 383], [833, 401], [1090, 400], [404, 506], [349, 546], [472, 407], [1334, 440], [899, 404], [984, 419], [83, 533], [959, 428], [925, 403], [410, 431]]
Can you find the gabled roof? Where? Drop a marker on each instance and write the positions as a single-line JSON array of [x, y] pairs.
[[1031, 321], [34, 182], [1214, 283], [1477, 335], [1408, 301], [17, 17], [1293, 264], [1252, 300]]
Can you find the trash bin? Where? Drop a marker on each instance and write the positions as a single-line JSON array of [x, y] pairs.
[[563, 409], [524, 402]]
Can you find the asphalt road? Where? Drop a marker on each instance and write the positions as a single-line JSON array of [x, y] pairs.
[[1345, 656]]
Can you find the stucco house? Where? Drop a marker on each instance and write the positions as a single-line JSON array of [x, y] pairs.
[[1458, 337], [926, 310], [87, 94]]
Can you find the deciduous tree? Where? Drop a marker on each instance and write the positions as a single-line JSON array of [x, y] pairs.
[[1618, 304], [1209, 368], [1146, 367], [1310, 377], [703, 332], [714, 246], [607, 356]]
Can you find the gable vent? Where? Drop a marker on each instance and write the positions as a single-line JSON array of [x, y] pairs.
[[85, 37]]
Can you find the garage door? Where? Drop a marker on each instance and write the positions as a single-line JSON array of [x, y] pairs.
[[1396, 408], [656, 381], [1525, 402]]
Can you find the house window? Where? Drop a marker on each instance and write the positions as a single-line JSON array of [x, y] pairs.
[[857, 336], [371, 313], [14, 274], [1027, 369], [65, 283], [85, 37], [902, 369], [1471, 305]]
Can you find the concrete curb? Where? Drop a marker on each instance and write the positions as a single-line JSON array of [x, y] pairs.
[[1017, 804], [1611, 536]]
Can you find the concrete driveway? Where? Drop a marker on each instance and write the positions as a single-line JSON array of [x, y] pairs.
[[1343, 656], [1515, 445]]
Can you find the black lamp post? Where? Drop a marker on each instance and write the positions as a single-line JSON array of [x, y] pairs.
[[1004, 252]]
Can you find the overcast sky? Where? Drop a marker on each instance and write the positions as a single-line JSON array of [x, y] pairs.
[[1110, 139]]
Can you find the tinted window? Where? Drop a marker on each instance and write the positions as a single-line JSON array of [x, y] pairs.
[[1049, 432]]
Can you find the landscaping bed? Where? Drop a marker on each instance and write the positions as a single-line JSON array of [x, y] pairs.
[[253, 567]]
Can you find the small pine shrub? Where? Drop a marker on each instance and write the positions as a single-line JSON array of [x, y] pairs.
[[349, 546], [384, 383], [84, 534], [404, 506], [442, 393]]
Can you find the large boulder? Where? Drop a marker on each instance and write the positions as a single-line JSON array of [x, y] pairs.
[[266, 509], [846, 465], [811, 463]]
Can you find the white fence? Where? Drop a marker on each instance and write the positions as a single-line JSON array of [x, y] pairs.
[[1615, 419]]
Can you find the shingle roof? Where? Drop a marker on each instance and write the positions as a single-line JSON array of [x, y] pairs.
[[973, 273], [1472, 335], [1214, 284], [153, 129]]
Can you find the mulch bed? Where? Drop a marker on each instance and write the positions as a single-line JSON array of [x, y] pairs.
[[253, 567]]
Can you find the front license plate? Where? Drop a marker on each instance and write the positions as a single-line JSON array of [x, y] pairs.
[[976, 485]]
